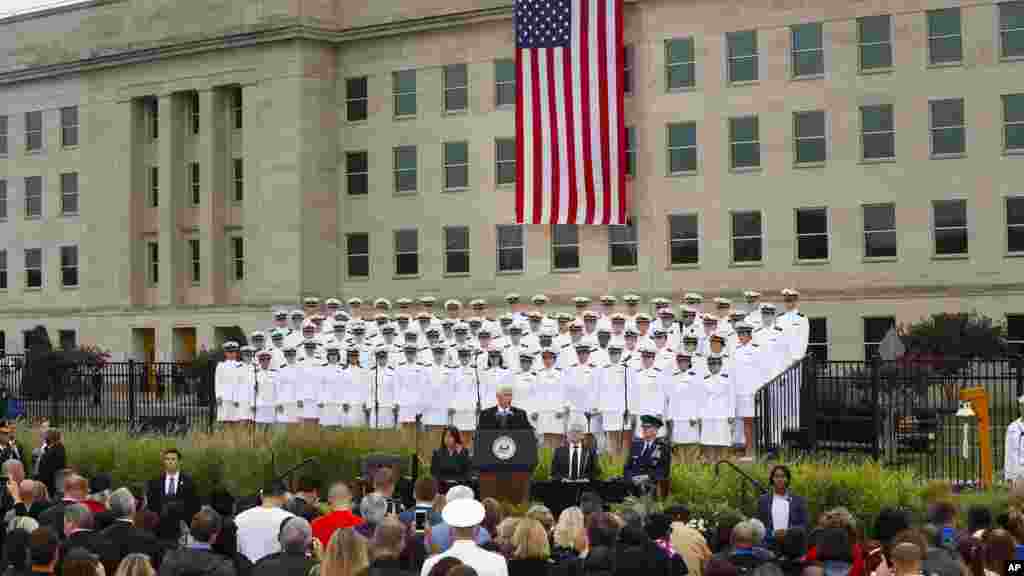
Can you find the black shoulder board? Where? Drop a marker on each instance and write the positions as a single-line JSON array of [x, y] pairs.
[[724, 374], [692, 373], [755, 345], [778, 328], [708, 376], [655, 368]]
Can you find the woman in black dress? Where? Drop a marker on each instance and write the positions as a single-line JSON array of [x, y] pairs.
[[450, 462]]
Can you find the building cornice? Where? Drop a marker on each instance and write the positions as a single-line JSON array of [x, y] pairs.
[[269, 34]]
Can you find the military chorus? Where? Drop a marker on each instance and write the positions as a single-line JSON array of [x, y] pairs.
[[618, 373]]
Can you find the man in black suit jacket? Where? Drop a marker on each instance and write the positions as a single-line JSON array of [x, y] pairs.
[[126, 537], [173, 486], [575, 460], [504, 416], [76, 489], [79, 533]]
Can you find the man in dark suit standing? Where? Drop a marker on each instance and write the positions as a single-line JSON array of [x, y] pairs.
[[574, 460], [504, 416], [126, 537], [779, 510], [650, 457], [173, 491]]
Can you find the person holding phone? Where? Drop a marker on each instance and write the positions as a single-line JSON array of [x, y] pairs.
[[422, 514]]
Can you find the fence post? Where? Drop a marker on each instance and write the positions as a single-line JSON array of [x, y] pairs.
[[131, 392], [876, 385], [809, 401], [1020, 376]]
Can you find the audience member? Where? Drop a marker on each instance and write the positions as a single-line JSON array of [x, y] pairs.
[[493, 515], [386, 550], [502, 543], [542, 514], [742, 554], [295, 542], [439, 539], [792, 551], [565, 534], [346, 554], [76, 489], [52, 459], [80, 562], [172, 495], [530, 550], [126, 537], [659, 530], [373, 508], [722, 567], [941, 557], [906, 559], [136, 565], [198, 557], [999, 549], [260, 527], [780, 510], [306, 500], [464, 516], [384, 486], [979, 519], [79, 532], [690, 544], [424, 491], [599, 555], [99, 493], [451, 462], [16, 551], [339, 497], [43, 551], [444, 566]]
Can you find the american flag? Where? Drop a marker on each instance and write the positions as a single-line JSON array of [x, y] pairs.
[[570, 140]]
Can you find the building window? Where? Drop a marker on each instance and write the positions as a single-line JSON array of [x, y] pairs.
[[944, 39], [34, 268], [33, 131], [3, 269], [3, 199], [505, 160], [69, 266], [3, 135], [407, 253], [950, 226], [154, 186], [874, 42], [682, 148], [747, 236], [69, 126], [808, 50], [357, 99], [622, 246], [630, 151], [69, 194], [504, 83], [34, 197], [1013, 122], [948, 127], [817, 341], [875, 330], [195, 260], [236, 107], [877, 132], [358, 257], [193, 110], [456, 250], [456, 88], [812, 234], [880, 240], [153, 264], [238, 257], [744, 142], [809, 137], [456, 165], [238, 179], [683, 239], [1015, 225], [627, 69], [511, 248], [1015, 333], [742, 56], [1011, 29], [404, 89], [357, 172], [565, 247], [67, 339], [153, 117], [405, 169], [680, 64], [193, 178]]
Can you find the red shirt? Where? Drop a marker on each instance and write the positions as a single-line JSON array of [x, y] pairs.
[[94, 506], [325, 526]]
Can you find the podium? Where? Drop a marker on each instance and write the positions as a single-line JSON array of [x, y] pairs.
[[505, 460]]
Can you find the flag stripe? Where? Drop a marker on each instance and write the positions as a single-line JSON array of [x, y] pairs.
[[602, 70], [560, 209], [584, 59], [614, 79], [520, 138], [544, 113], [570, 140], [538, 138], [620, 125], [553, 100]]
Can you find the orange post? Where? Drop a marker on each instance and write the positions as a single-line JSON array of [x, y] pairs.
[[978, 397]]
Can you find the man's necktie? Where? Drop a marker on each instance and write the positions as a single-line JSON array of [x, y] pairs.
[[502, 419], [575, 465], [171, 488]]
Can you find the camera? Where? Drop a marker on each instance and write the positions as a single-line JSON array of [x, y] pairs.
[[421, 520]]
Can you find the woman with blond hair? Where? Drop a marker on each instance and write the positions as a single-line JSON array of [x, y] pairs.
[[531, 553], [564, 535], [503, 538], [135, 565], [347, 554]]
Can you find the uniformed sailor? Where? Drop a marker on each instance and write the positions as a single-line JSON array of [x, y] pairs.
[[589, 323], [334, 379], [608, 306], [333, 306], [550, 381], [694, 299], [423, 323], [716, 426], [539, 302], [659, 303], [287, 388], [465, 399], [599, 355], [632, 302], [516, 307], [505, 326], [685, 405], [310, 305], [403, 321], [667, 321], [611, 403], [426, 303], [748, 375], [453, 309], [296, 318], [439, 388], [485, 342], [665, 356], [1013, 466], [447, 330], [281, 321], [710, 324], [530, 396], [403, 304], [245, 384], [753, 301], [225, 384], [643, 326], [494, 375], [310, 355], [265, 405], [688, 325], [382, 398], [535, 321], [382, 305], [412, 380], [617, 324], [795, 325], [582, 304], [722, 308], [631, 349], [650, 457], [769, 338], [318, 323], [355, 308], [475, 324], [648, 390], [582, 384], [359, 342]]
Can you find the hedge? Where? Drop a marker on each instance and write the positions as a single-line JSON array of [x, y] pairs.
[[229, 459]]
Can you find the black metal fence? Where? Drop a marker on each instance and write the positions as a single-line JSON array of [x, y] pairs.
[[167, 397], [902, 413]]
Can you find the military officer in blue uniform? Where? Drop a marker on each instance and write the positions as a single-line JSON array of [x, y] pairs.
[[650, 457]]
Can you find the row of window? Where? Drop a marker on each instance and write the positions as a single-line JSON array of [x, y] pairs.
[[195, 261], [950, 232], [34, 130], [33, 197], [33, 268], [807, 60]]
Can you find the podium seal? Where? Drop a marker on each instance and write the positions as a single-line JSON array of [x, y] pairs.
[[503, 448]]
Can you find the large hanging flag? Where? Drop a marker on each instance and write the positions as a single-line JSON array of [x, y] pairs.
[[570, 136]]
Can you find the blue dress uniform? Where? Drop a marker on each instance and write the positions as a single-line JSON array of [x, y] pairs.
[[653, 459]]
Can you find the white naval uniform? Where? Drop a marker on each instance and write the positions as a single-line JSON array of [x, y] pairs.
[[412, 380], [245, 391], [287, 388], [611, 401], [224, 390], [551, 385], [463, 401], [307, 390], [748, 375], [333, 380], [265, 404], [648, 389], [1013, 466], [583, 383], [796, 331], [530, 396], [685, 405], [720, 405], [437, 393], [773, 348], [380, 396]]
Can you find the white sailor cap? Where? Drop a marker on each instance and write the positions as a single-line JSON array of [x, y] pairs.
[[548, 332], [790, 293], [311, 301], [341, 316], [257, 334], [439, 347], [475, 321], [563, 317], [230, 346], [667, 311], [317, 318], [767, 307], [723, 302], [517, 327], [590, 315], [737, 314], [539, 299], [630, 331], [410, 347], [484, 332], [688, 310], [581, 300], [466, 350], [643, 317], [288, 350], [460, 327], [403, 302], [548, 350], [583, 345], [264, 354], [493, 351], [333, 348], [402, 317], [381, 349], [743, 327], [358, 326], [576, 326], [608, 299], [683, 353], [296, 314], [693, 297], [247, 349], [659, 302], [447, 322], [310, 343], [427, 300], [355, 301], [616, 344], [452, 304], [387, 329], [277, 334], [715, 359], [353, 350], [432, 330], [512, 298], [308, 326], [411, 335], [618, 318], [382, 303], [506, 319], [333, 302], [604, 329], [631, 299], [527, 353], [280, 314], [647, 349], [535, 315], [751, 294], [659, 331], [478, 304], [423, 315]]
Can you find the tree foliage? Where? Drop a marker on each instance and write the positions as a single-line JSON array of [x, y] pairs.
[[961, 335]]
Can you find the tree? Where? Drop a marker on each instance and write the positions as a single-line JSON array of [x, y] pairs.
[[962, 336]]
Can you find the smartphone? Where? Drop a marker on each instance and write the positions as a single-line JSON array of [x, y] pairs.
[[421, 520]]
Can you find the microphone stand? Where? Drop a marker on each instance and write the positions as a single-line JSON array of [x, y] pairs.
[[625, 398], [255, 392], [476, 374], [376, 397]]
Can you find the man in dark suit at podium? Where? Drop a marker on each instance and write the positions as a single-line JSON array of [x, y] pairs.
[[504, 416], [574, 460], [650, 457]]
